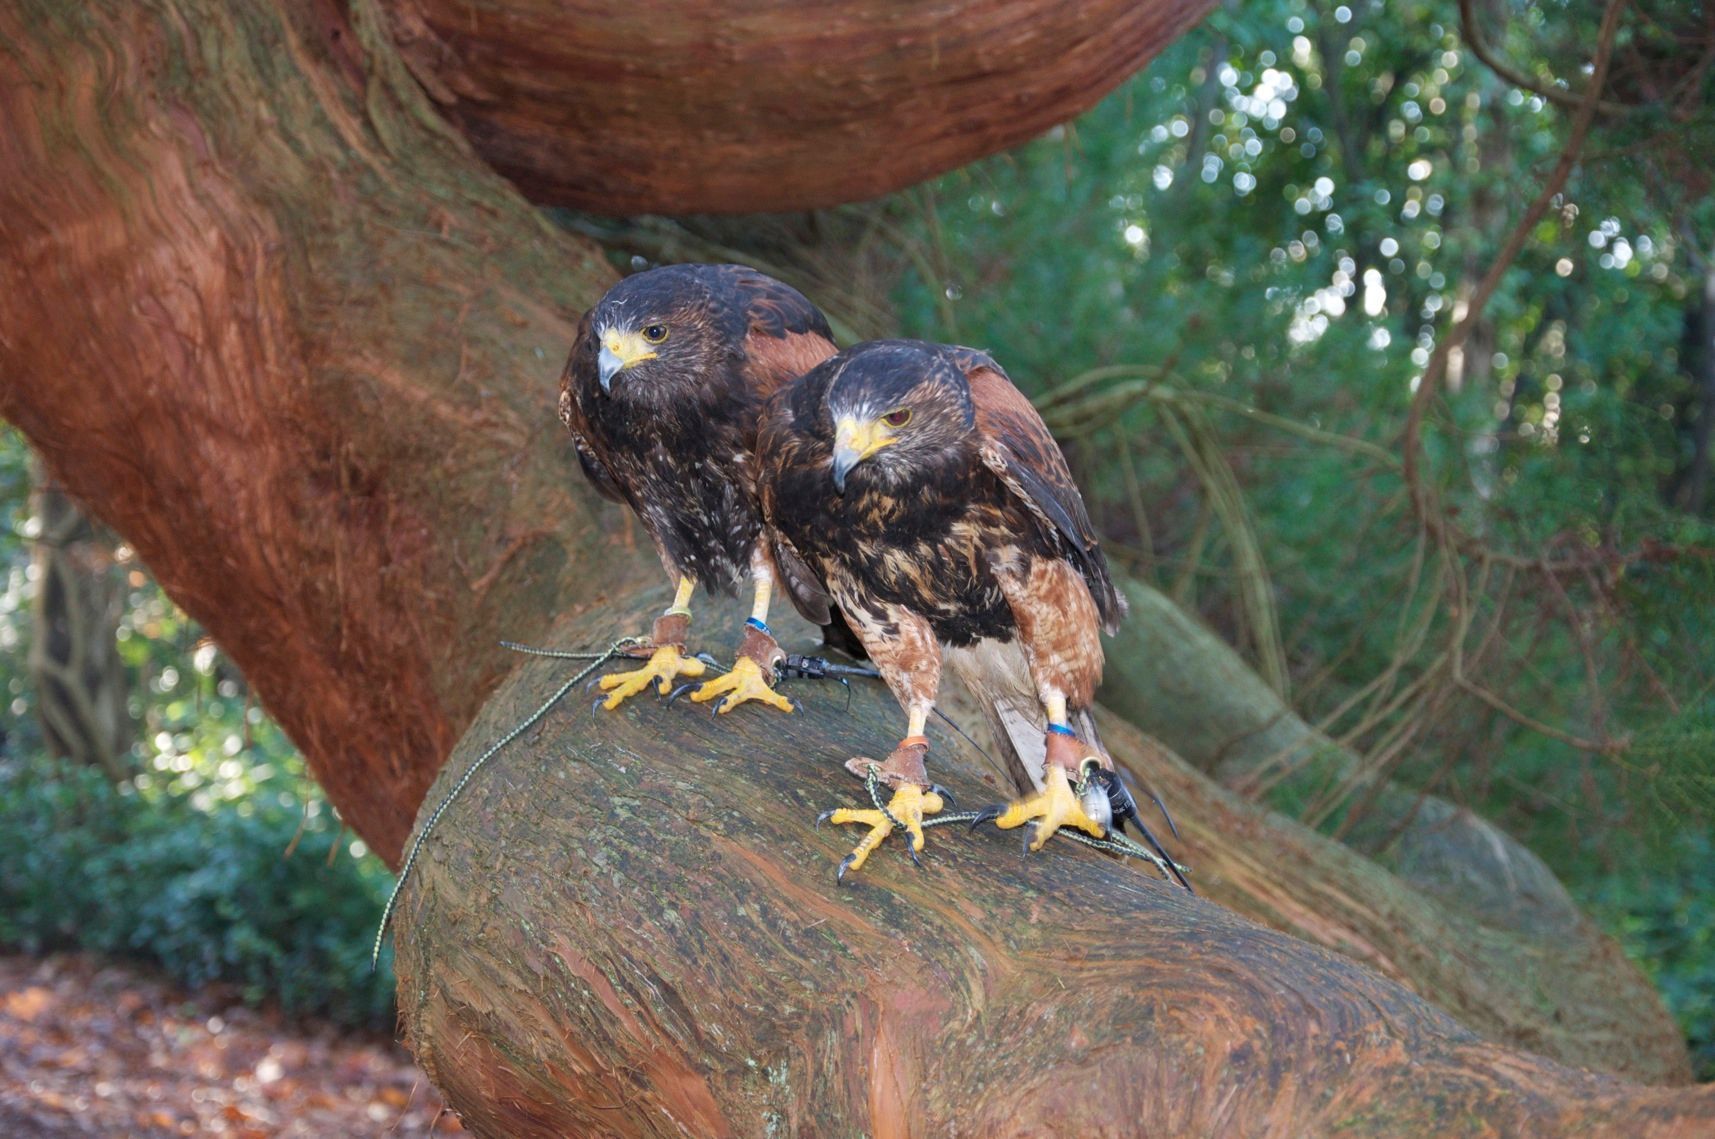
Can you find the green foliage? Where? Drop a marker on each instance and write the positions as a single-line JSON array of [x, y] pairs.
[[251, 892], [218, 860], [1666, 920]]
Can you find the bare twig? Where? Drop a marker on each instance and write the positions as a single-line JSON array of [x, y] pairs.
[[1483, 50]]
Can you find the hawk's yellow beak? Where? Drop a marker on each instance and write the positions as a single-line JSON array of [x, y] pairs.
[[620, 350], [853, 443]]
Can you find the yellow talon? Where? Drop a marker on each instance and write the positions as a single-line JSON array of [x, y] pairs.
[[666, 664], [910, 804], [745, 682], [1055, 806]]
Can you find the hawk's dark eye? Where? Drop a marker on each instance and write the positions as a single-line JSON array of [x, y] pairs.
[[898, 417], [655, 333]]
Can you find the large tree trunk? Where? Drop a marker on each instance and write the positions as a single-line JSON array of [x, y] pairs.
[[273, 321]]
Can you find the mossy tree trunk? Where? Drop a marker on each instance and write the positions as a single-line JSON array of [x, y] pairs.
[[275, 322]]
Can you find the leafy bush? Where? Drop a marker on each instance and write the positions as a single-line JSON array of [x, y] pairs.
[[243, 893]]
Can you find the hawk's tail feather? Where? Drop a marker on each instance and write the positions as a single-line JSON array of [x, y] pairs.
[[998, 678], [1019, 731]]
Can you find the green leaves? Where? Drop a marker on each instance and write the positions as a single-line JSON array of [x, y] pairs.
[[264, 897]]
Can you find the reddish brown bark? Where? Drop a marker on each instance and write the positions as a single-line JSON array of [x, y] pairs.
[[286, 337], [691, 106], [273, 321], [629, 927]]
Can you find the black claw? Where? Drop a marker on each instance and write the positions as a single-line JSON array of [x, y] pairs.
[[987, 814], [912, 851], [707, 659], [599, 701], [1029, 833], [825, 816], [946, 795], [845, 864], [682, 689]]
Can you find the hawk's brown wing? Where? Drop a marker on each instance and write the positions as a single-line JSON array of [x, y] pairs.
[[779, 448], [784, 334], [780, 336], [1017, 447]]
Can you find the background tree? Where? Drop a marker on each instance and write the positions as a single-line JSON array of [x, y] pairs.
[[81, 685]]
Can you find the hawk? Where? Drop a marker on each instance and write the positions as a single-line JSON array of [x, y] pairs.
[[661, 394], [913, 486]]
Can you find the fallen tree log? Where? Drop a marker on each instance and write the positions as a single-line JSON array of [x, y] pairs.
[[628, 926], [266, 315]]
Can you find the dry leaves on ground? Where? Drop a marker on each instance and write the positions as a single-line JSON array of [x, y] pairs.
[[94, 1049]]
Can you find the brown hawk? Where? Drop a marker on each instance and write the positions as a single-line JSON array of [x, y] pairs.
[[662, 392], [915, 487]]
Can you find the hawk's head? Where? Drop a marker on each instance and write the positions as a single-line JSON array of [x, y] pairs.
[[655, 332], [897, 409]]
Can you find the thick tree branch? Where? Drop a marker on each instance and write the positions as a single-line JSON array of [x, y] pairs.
[[628, 926], [1457, 880], [683, 106]]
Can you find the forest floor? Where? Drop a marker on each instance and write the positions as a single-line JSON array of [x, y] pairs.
[[90, 1048]]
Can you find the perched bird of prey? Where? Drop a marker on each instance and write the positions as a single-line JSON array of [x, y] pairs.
[[662, 393], [915, 487]]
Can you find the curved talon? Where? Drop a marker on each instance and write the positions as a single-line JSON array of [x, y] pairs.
[[946, 795], [906, 810], [990, 812], [708, 659], [666, 663], [1055, 806], [745, 682]]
